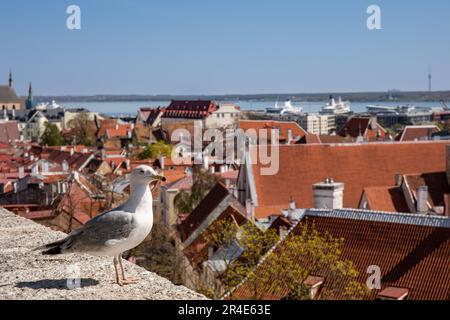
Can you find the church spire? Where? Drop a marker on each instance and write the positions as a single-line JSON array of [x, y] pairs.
[[10, 81], [29, 103]]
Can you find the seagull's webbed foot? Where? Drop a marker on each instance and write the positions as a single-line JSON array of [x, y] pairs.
[[124, 282]]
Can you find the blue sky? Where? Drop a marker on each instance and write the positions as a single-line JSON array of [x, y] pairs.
[[224, 47]]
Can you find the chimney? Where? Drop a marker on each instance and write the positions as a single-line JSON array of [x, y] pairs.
[[398, 179], [447, 205], [21, 172], [249, 209], [35, 168], [328, 195], [65, 166], [72, 151], [422, 199], [117, 126], [44, 165], [292, 205], [289, 136]]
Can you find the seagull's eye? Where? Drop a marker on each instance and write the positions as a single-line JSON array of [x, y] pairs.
[[142, 171]]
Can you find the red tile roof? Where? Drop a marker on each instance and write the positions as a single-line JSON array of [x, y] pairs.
[[149, 115], [409, 254], [387, 199], [75, 161], [114, 130], [357, 165], [190, 109], [367, 127], [414, 133], [282, 126], [197, 251], [9, 131], [325, 139], [202, 211]]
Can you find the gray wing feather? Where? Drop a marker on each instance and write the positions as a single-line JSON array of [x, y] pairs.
[[111, 225]]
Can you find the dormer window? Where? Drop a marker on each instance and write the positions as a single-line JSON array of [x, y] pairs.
[[393, 293], [314, 284]]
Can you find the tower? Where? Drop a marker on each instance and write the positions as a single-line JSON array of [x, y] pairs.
[[29, 102], [10, 80], [430, 77]]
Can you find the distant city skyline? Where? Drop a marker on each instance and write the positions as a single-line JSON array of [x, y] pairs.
[[202, 47]]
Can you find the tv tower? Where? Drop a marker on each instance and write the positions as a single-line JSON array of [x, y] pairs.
[[430, 77]]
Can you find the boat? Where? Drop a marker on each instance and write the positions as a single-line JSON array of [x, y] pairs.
[[339, 107], [287, 109], [48, 106], [376, 109]]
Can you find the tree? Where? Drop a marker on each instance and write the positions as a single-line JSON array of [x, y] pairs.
[[301, 255], [226, 233], [203, 182], [52, 135], [156, 150], [82, 130]]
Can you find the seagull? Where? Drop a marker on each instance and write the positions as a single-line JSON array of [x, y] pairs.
[[116, 231]]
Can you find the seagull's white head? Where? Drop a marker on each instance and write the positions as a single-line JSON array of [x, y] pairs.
[[144, 175]]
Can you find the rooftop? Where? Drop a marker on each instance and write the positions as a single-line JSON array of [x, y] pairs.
[[411, 251], [357, 165], [25, 274]]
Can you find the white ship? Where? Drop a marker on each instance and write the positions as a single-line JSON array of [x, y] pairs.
[[48, 106], [374, 109], [333, 107], [288, 108]]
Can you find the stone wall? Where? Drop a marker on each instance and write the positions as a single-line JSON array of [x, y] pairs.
[[26, 274]]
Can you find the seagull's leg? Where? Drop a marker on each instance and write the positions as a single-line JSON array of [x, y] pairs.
[[126, 280], [116, 262]]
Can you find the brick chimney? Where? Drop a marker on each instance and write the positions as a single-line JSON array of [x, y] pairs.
[[328, 195]]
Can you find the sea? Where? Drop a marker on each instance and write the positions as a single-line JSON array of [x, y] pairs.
[[131, 107]]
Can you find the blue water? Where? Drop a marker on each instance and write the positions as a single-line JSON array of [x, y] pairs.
[[131, 107]]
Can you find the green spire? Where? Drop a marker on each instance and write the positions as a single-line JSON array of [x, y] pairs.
[[10, 78], [29, 103]]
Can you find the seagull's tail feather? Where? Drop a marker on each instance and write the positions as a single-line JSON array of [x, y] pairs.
[[52, 248]]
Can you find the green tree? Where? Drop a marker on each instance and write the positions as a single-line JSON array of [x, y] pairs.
[[225, 233], [52, 136], [301, 255], [156, 150], [203, 182]]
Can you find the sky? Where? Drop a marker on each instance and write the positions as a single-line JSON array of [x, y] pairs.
[[224, 47]]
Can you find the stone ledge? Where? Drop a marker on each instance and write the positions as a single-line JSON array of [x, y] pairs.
[[25, 274]]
